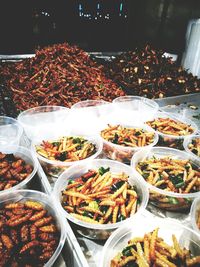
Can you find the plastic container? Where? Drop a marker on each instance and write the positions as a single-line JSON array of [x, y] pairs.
[[140, 226], [125, 153], [55, 167], [44, 121], [28, 157], [161, 198], [174, 141], [187, 141], [194, 212], [86, 116], [99, 231], [48, 202], [135, 109], [10, 131]]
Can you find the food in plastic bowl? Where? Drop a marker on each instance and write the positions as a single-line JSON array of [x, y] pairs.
[[60, 153], [100, 196], [32, 230], [17, 168], [195, 214], [173, 178], [192, 145], [172, 129], [151, 241], [120, 142]]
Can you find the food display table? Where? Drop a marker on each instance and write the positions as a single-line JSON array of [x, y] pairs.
[[80, 251]]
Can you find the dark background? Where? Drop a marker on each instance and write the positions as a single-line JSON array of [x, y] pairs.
[[25, 25]]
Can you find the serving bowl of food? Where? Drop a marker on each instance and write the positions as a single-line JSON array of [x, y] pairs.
[[120, 141], [32, 230], [172, 130], [99, 196], [151, 241], [171, 176], [18, 166], [192, 146], [57, 154]]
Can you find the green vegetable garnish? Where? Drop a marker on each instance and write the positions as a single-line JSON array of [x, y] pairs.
[[103, 170]]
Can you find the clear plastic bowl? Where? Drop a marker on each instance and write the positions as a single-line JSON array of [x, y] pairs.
[[85, 116], [187, 141], [48, 202], [28, 157], [140, 226], [55, 167], [194, 211], [10, 131], [136, 109], [99, 231], [174, 141], [44, 121], [175, 201], [125, 153]]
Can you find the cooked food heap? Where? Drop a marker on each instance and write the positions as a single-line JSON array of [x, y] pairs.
[[100, 196], [175, 175], [194, 146], [147, 72], [171, 127], [127, 136], [152, 250], [28, 234], [58, 75], [66, 149], [13, 170]]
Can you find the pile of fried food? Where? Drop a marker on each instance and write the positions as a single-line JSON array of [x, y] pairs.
[[29, 235], [100, 196], [152, 250], [170, 127], [127, 136], [13, 170], [60, 75], [66, 149]]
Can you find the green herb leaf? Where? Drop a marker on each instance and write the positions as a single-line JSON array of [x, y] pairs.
[[103, 170], [173, 200]]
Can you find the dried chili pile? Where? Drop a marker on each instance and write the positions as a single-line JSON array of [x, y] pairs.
[[58, 75], [146, 72]]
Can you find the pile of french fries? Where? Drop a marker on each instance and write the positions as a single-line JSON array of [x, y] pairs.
[[152, 250], [66, 149], [100, 197], [169, 174], [194, 146], [170, 127], [127, 136]]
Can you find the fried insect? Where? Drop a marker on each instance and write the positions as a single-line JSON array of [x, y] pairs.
[[151, 250], [13, 170], [100, 196], [26, 231]]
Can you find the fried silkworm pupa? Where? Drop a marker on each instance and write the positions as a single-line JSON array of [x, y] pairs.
[[33, 205]]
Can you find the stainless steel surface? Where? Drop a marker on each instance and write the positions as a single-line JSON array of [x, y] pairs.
[[185, 105]]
